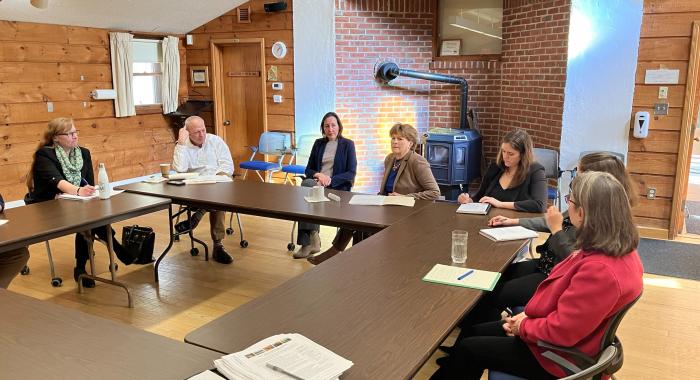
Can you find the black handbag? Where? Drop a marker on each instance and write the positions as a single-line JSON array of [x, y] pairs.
[[139, 242]]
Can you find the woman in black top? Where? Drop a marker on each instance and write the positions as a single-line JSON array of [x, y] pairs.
[[61, 166], [515, 181]]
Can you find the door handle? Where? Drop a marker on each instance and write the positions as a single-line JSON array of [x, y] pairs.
[[227, 122]]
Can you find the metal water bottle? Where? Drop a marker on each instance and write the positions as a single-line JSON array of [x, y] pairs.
[[103, 182]]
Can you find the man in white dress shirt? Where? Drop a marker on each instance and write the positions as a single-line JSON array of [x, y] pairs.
[[200, 152]]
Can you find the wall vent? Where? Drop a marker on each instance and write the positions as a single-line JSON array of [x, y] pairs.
[[244, 15]]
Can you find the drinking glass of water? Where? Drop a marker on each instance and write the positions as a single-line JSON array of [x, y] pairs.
[[459, 246]]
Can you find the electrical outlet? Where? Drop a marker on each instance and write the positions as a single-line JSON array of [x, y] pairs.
[[663, 92], [651, 193], [82, 77], [277, 85], [49, 106]]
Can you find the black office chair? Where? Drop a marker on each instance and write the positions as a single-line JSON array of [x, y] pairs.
[[607, 362]]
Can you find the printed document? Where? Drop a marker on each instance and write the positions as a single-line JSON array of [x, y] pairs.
[[382, 200], [508, 233]]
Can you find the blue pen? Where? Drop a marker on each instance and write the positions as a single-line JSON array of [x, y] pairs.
[[467, 273], [83, 182]]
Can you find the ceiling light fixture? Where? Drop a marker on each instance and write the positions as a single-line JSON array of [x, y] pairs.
[[41, 4]]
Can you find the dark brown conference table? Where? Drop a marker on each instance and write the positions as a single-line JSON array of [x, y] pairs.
[[278, 201], [41, 340], [43, 221], [369, 304]]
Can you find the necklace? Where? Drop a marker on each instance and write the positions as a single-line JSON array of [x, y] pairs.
[[395, 165]]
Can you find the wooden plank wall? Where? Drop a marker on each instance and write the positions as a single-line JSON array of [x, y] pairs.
[[42, 63], [664, 43], [270, 26]]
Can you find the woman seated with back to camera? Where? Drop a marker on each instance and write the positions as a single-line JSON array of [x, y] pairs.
[[520, 280], [575, 304], [61, 166], [406, 173], [516, 181]]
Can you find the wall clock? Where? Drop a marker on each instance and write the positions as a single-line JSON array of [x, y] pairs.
[[279, 50]]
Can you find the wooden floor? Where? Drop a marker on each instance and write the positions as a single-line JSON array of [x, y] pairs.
[[660, 334]]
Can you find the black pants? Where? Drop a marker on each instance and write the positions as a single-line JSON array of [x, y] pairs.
[[82, 253], [515, 288], [486, 346]]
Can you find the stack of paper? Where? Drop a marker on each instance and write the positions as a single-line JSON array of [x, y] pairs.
[[283, 357], [73, 197], [465, 277], [381, 200], [508, 233], [176, 176], [474, 208], [207, 179]]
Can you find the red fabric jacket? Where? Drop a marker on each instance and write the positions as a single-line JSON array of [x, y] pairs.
[[573, 306]]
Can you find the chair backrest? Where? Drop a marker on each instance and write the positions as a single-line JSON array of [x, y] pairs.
[[610, 339], [549, 158], [304, 145], [273, 143]]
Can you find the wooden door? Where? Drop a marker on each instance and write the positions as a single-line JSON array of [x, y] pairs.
[[243, 113]]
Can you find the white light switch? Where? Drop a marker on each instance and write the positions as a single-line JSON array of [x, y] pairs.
[[663, 92], [277, 98], [49, 106], [277, 85]]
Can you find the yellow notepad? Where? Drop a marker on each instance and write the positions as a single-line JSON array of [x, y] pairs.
[[449, 275]]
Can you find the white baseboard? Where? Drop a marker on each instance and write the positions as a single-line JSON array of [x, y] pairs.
[[127, 181]]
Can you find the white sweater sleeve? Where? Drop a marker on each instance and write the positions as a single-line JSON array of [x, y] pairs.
[[180, 159], [223, 158]]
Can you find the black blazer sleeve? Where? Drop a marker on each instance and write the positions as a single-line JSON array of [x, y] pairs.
[[47, 170], [312, 165], [535, 198], [347, 177], [87, 172], [562, 243]]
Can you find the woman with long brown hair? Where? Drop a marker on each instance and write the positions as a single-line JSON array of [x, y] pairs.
[[60, 165], [516, 181]]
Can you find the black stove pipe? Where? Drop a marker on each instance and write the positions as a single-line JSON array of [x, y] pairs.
[[388, 71]]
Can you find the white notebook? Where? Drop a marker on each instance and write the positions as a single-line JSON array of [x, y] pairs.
[[464, 277], [508, 233], [382, 200], [474, 208]]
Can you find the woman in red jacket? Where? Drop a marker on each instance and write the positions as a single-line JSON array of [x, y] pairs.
[[574, 305]]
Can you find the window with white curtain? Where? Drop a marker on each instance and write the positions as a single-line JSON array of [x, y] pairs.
[[148, 72]]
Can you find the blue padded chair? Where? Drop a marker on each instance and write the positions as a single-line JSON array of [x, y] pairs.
[[300, 157], [608, 361], [271, 144]]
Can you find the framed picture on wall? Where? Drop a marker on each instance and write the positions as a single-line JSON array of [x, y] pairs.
[[199, 76], [450, 47]]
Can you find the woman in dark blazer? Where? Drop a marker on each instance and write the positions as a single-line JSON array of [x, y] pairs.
[[515, 181], [575, 304], [332, 164], [61, 166], [406, 172]]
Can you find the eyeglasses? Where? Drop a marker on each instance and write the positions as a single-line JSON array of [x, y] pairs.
[[567, 199], [71, 134]]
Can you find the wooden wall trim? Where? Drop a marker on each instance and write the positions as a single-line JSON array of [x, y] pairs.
[[682, 165]]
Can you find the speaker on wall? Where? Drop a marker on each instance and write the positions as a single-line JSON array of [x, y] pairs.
[[276, 6]]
